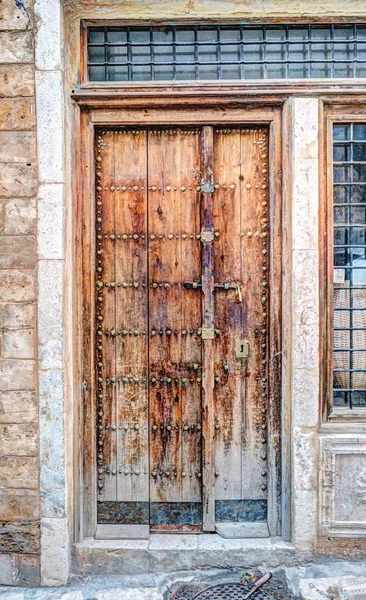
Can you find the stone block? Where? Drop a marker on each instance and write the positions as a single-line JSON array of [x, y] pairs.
[[17, 286], [16, 80], [305, 127], [19, 472], [305, 202], [18, 407], [130, 594], [17, 180], [16, 47], [50, 220], [19, 343], [17, 375], [54, 552], [305, 518], [50, 321], [16, 146], [7, 570], [52, 471], [13, 17], [19, 504], [305, 292], [19, 439], [19, 536], [306, 342], [305, 411], [18, 252], [50, 126], [48, 41], [305, 446], [17, 113], [28, 570], [17, 315], [18, 216]]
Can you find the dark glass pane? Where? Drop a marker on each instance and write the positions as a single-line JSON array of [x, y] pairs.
[[359, 173], [359, 131], [117, 73], [341, 132], [95, 36], [341, 194], [96, 73], [340, 236], [358, 193], [358, 214], [341, 152], [340, 399], [357, 235], [96, 54], [359, 152], [341, 173], [340, 214], [359, 398]]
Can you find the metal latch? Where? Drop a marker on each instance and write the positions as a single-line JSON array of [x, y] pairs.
[[242, 349], [207, 187], [207, 236], [208, 333]]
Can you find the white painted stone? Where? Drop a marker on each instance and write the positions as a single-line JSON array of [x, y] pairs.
[[19, 343], [52, 455], [48, 40], [306, 343], [7, 571], [305, 446], [50, 221], [75, 595], [305, 518], [306, 397], [54, 552], [305, 125], [49, 96], [320, 588], [50, 318]]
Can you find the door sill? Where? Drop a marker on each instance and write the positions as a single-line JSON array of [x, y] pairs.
[[243, 530], [122, 532]]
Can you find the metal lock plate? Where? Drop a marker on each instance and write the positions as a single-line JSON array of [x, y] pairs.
[[242, 349], [207, 187], [208, 334], [207, 236]]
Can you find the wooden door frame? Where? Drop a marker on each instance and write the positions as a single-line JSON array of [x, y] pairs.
[[89, 114]]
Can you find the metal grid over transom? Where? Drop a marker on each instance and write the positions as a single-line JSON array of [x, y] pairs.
[[349, 292], [219, 52]]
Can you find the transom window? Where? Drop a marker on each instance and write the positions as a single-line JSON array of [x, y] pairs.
[[215, 52], [349, 291]]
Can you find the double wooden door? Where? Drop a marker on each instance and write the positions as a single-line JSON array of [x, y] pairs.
[[181, 311]]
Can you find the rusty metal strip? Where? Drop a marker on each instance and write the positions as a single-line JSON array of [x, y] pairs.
[[208, 476]]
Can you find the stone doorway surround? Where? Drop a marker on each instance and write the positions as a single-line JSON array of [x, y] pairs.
[[58, 400]]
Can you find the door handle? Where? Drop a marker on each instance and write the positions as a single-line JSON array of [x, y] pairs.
[[193, 285]]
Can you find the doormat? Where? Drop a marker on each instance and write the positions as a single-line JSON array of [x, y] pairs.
[[234, 589]]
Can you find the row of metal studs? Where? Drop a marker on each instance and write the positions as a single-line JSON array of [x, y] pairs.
[[136, 332], [99, 307], [168, 188]]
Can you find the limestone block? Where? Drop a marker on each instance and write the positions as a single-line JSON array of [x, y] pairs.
[[17, 180], [306, 397], [12, 17], [16, 146], [305, 465], [19, 440], [19, 472], [28, 570], [306, 342], [17, 113], [54, 552], [18, 252], [17, 80], [305, 520], [130, 594], [17, 286], [17, 374], [17, 315], [305, 202], [18, 407], [48, 41], [306, 287], [52, 472], [21, 504], [50, 220], [305, 128], [19, 537], [50, 323], [19, 343], [16, 47], [18, 216], [50, 126], [7, 570]]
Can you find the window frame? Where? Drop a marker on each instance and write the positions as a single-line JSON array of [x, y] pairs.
[[355, 113]]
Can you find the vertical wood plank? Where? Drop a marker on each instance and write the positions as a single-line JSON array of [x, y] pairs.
[[208, 458]]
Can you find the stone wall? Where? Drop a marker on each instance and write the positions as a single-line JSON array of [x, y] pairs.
[[19, 439]]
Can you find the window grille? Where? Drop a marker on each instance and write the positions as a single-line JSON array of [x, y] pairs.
[[216, 52], [349, 287]]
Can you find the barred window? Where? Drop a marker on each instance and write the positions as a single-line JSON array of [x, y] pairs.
[[216, 52], [349, 291]]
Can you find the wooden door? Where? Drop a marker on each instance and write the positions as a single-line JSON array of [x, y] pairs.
[[182, 327]]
